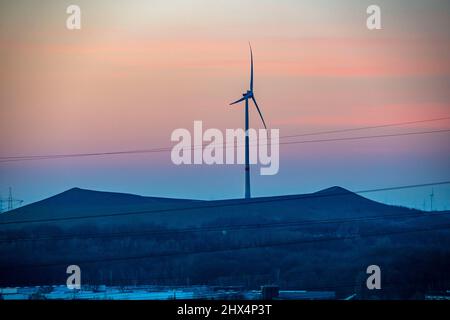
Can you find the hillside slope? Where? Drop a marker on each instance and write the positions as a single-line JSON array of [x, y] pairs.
[[318, 240]]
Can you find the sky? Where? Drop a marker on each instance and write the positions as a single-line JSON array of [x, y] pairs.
[[137, 70]]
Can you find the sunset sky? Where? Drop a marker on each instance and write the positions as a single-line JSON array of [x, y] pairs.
[[139, 69]]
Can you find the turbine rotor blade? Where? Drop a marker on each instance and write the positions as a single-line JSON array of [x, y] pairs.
[[251, 67], [237, 101], [259, 111]]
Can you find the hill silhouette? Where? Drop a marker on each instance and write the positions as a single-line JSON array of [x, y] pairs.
[[127, 239], [334, 202]]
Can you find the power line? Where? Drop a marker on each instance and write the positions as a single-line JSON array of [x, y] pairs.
[[395, 124], [230, 203], [158, 150], [367, 137], [168, 149], [237, 248], [221, 228]]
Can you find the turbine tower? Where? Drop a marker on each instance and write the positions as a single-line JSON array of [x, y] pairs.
[[245, 97], [431, 199]]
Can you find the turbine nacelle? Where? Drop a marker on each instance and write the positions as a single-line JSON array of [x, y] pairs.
[[248, 94]]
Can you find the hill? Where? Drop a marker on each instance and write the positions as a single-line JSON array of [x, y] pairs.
[[72, 205], [315, 240]]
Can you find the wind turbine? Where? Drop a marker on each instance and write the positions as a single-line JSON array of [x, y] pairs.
[[245, 97]]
